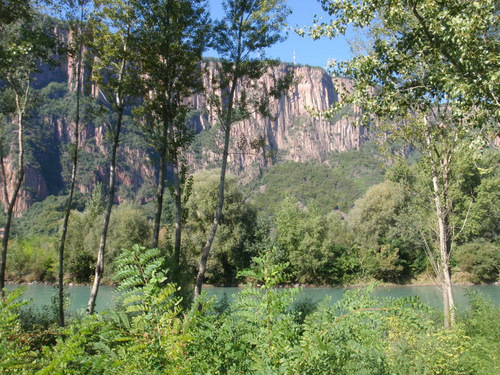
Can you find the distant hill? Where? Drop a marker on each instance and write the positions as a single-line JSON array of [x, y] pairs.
[[334, 184], [290, 135]]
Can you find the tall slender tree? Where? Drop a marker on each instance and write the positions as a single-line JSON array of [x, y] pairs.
[[428, 75], [173, 35], [26, 42], [240, 38], [77, 14], [115, 73]]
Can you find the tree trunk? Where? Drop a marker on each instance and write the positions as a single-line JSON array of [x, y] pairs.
[[444, 250], [6, 234], [160, 189], [71, 190], [178, 216], [442, 212], [227, 121], [206, 250], [99, 269], [4, 178], [17, 187], [64, 233], [440, 171]]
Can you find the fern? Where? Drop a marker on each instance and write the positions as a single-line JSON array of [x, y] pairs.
[[263, 312], [142, 276]]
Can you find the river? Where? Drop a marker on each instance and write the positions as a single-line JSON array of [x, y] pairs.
[[41, 294]]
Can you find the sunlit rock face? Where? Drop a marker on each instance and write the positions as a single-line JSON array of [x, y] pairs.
[[290, 132]]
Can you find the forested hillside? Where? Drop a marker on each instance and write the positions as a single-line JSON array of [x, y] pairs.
[[289, 132], [129, 158], [300, 181]]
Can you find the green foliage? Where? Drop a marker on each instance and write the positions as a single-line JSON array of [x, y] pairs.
[[484, 217], [79, 258], [345, 337], [345, 265], [379, 223], [128, 226], [171, 38], [375, 214], [260, 332], [231, 250], [302, 233], [123, 341], [44, 218], [335, 184], [94, 206], [382, 263], [32, 259], [264, 308], [322, 249], [15, 355], [482, 325], [480, 260], [422, 81], [141, 274], [431, 40]]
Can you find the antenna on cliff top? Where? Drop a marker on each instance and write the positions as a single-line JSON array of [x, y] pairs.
[[293, 57]]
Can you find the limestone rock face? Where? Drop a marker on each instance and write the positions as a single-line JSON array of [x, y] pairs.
[[289, 133]]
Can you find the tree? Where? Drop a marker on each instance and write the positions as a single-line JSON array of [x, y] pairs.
[[374, 223], [230, 251], [77, 14], [115, 74], [11, 11], [375, 214], [172, 36], [429, 75], [461, 37], [479, 260], [247, 29], [25, 43], [302, 233]]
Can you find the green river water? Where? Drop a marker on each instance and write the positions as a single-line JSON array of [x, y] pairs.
[[41, 294]]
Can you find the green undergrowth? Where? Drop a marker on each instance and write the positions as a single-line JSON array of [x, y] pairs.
[[265, 330]]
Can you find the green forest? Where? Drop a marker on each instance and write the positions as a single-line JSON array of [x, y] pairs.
[[416, 204]]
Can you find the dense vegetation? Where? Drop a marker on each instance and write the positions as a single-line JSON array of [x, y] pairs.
[[327, 239], [426, 203], [265, 330]]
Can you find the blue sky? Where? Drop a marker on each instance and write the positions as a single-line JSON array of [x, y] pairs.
[[307, 51]]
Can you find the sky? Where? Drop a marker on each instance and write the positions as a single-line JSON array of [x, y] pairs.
[[307, 51]]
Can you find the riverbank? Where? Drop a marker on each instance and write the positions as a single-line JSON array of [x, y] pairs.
[[42, 295], [359, 284], [352, 330]]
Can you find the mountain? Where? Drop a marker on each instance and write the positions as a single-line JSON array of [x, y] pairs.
[[289, 134]]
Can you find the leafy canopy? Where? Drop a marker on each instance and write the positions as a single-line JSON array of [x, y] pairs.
[[424, 51]]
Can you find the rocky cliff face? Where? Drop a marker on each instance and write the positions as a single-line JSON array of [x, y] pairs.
[[290, 133]]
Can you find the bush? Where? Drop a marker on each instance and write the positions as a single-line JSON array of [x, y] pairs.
[[480, 259], [482, 325], [32, 259]]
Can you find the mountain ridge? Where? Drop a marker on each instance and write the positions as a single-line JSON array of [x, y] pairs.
[[290, 133]]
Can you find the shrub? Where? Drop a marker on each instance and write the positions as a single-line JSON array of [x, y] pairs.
[[32, 259], [15, 355], [480, 259]]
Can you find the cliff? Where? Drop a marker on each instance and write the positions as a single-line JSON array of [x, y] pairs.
[[290, 133]]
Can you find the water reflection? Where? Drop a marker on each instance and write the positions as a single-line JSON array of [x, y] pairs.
[[79, 295]]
